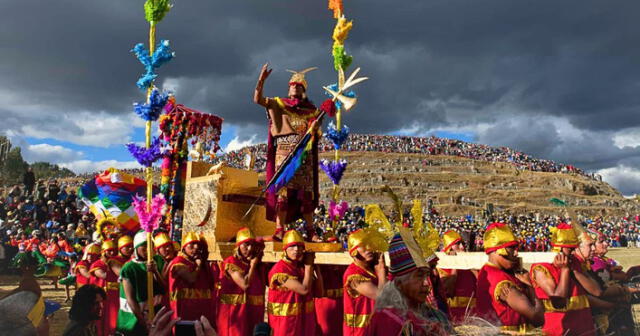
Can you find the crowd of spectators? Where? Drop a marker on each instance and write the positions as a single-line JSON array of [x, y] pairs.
[[39, 212], [532, 229], [48, 214], [427, 145]]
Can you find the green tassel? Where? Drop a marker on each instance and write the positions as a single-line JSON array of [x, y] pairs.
[[155, 10], [340, 58]]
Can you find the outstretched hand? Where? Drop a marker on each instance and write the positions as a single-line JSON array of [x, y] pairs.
[[264, 73]]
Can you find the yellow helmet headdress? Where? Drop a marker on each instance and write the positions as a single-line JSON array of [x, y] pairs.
[[124, 241], [356, 239], [449, 239], [109, 245], [291, 238], [244, 235], [497, 237], [563, 235], [161, 239], [298, 77], [189, 238], [92, 248]]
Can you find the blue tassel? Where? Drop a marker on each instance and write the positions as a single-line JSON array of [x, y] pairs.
[[337, 137], [151, 111], [161, 55]]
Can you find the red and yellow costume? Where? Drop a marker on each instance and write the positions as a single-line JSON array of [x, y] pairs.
[[111, 287], [463, 300], [160, 240], [240, 311], [329, 307], [190, 301], [492, 279], [81, 280], [574, 316], [290, 314], [358, 308], [123, 241]]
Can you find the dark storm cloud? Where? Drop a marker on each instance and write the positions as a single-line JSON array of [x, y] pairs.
[[433, 64]]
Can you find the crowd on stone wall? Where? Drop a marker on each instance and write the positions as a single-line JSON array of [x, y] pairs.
[[421, 145]]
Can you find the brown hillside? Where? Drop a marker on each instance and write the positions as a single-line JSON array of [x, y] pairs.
[[462, 186]]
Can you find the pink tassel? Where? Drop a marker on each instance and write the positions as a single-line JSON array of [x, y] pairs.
[[149, 220]]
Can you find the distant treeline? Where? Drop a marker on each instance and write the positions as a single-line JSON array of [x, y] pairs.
[[13, 167]]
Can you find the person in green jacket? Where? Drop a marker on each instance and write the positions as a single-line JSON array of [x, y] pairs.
[[132, 316]]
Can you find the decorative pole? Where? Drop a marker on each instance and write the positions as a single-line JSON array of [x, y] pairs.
[[155, 11], [338, 133]]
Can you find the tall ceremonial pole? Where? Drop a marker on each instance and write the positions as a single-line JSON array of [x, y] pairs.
[[148, 209], [338, 133]]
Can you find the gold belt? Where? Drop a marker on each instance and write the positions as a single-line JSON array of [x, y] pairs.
[[112, 286], [289, 309], [237, 299], [357, 320]]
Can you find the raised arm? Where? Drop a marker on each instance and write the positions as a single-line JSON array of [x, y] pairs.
[[518, 301], [258, 98], [241, 279], [588, 283], [304, 287], [547, 283]]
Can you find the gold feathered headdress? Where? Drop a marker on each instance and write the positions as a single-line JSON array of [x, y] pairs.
[[298, 77]]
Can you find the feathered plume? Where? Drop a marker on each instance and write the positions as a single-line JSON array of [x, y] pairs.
[[151, 111], [337, 137], [149, 220], [337, 210], [334, 169], [146, 156], [161, 55]]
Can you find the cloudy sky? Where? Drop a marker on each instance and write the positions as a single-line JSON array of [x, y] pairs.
[[556, 79]]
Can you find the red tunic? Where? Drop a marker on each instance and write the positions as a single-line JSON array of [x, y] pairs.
[[463, 301], [572, 319], [111, 287], [329, 309], [240, 311], [190, 301], [290, 314], [80, 279], [491, 279], [358, 309], [122, 259], [389, 322]]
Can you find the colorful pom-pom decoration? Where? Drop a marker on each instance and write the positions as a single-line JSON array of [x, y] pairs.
[[337, 7], [337, 210], [334, 169], [149, 220], [151, 111], [155, 10], [340, 58], [337, 137], [329, 107], [160, 56], [146, 156]]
